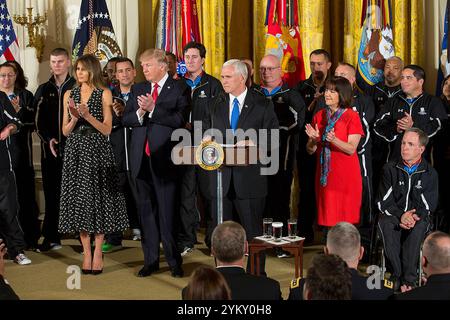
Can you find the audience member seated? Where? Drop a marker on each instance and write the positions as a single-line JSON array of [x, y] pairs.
[[436, 266], [229, 246], [6, 292], [344, 241], [328, 278], [207, 284], [407, 196]]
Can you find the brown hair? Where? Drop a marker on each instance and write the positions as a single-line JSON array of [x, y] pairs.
[[329, 278], [92, 65], [207, 284], [343, 87], [59, 52]]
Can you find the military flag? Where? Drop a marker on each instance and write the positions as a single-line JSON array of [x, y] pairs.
[[377, 42], [283, 38], [444, 66]]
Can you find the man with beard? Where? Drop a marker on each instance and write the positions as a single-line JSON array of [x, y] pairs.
[[311, 90]]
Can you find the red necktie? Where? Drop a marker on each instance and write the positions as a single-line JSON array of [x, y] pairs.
[[155, 97]]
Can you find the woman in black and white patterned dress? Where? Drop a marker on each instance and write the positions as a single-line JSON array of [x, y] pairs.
[[91, 202]]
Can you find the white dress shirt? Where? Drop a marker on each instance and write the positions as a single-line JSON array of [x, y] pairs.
[[241, 99]]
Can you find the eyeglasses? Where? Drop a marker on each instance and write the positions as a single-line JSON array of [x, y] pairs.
[[269, 69], [7, 75]]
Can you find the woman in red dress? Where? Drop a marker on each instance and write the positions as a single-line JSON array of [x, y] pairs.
[[334, 135]]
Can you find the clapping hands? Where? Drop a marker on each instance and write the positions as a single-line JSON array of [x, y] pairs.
[[313, 133]]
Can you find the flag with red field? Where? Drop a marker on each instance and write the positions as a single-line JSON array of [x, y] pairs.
[[283, 39]]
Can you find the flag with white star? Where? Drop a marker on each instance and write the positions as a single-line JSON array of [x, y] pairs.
[[9, 48], [95, 32]]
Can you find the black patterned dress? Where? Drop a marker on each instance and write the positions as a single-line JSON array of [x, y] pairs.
[[90, 196]]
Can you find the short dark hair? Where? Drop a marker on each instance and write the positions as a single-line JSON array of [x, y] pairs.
[[423, 137], [418, 71], [195, 45], [59, 52], [124, 59], [343, 87], [347, 65], [228, 241], [207, 284], [172, 55], [329, 278], [114, 59], [319, 52]]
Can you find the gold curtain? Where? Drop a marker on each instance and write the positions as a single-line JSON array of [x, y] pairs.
[[235, 29]]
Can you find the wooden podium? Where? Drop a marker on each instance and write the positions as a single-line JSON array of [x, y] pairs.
[[212, 156]]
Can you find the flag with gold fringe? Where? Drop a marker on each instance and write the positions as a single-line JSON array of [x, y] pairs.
[[283, 39], [377, 42], [177, 25], [95, 32]]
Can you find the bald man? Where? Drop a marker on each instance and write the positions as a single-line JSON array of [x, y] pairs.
[[290, 111], [436, 266]]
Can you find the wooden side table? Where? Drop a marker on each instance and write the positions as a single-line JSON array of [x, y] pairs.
[[296, 248]]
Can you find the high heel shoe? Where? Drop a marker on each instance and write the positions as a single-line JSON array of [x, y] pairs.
[[97, 272], [86, 271]]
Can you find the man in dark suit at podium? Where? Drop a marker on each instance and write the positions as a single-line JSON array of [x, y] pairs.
[[156, 108], [244, 187]]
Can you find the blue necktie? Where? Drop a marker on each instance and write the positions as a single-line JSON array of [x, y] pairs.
[[235, 115]]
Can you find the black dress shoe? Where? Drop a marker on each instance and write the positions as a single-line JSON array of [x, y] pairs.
[[177, 272], [147, 270]]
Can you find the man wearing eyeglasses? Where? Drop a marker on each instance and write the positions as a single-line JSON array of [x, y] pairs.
[[411, 108], [290, 110]]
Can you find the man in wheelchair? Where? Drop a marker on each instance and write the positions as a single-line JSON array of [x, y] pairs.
[[407, 197]]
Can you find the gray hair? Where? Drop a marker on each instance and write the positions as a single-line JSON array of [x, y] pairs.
[[344, 240], [228, 241], [436, 249], [239, 67]]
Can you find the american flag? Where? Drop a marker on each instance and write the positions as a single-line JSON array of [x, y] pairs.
[[9, 48]]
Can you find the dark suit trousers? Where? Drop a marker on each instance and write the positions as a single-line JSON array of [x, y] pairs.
[[250, 215], [156, 207], [51, 179], [189, 214], [10, 229]]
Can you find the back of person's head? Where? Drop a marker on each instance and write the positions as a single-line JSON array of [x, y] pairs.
[[228, 242], [328, 278], [344, 240], [436, 252], [207, 284]]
